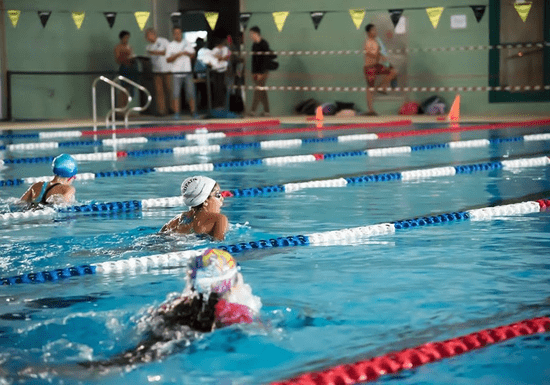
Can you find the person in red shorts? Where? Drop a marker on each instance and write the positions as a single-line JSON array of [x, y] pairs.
[[374, 67]]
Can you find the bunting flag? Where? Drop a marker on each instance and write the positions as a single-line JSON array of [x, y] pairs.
[[78, 18], [212, 19], [110, 16], [280, 18], [244, 17], [523, 10], [14, 16], [141, 18], [316, 17], [395, 15], [176, 19], [479, 10], [434, 14], [44, 16], [357, 15]]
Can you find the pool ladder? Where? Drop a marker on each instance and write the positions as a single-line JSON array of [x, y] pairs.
[[110, 119]]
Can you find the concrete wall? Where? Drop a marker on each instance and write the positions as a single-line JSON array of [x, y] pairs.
[[337, 32], [60, 46]]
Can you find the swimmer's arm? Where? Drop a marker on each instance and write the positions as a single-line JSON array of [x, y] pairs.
[[69, 195], [170, 226], [220, 228], [29, 195]]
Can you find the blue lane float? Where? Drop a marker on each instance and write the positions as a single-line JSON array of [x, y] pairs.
[[328, 238]]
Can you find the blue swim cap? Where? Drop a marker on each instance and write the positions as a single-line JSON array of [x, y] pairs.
[[65, 166]]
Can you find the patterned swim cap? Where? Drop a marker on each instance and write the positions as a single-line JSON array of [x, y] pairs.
[[214, 271]]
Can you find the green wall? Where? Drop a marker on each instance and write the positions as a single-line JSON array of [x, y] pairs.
[[60, 46], [337, 32]]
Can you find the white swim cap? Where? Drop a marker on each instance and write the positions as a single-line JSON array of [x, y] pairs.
[[196, 189]]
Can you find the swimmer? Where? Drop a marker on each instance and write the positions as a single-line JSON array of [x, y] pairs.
[[204, 198], [215, 296], [59, 189]]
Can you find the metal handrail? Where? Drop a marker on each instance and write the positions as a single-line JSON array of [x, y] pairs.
[[141, 88], [113, 108]]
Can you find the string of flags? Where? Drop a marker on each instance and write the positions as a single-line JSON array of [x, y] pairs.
[[279, 18], [78, 18], [358, 15]]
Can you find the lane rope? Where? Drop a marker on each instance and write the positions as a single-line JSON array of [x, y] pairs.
[[327, 238], [411, 358], [175, 201], [282, 143]]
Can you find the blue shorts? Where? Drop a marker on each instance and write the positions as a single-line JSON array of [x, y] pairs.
[[189, 86]]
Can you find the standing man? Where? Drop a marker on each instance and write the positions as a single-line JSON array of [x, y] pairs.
[[125, 58], [179, 54], [259, 70], [373, 66], [157, 50]]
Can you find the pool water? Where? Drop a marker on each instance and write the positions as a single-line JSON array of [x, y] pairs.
[[322, 306]]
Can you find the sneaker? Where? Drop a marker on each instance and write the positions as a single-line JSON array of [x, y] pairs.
[[251, 114], [265, 114], [176, 116], [196, 116]]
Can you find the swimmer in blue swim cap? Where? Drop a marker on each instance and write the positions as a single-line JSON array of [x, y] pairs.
[[57, 191], [203, 197], [215, 296]]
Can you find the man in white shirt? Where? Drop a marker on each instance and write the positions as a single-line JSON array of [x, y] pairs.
[[179, 54], [161, 72], [222, 54]]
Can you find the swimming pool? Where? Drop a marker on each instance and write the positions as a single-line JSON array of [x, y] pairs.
[[322, 305]]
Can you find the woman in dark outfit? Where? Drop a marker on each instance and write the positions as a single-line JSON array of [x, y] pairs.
[[259, 70]]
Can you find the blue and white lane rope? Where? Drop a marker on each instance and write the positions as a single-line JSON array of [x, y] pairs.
[[206, 167], [284, 143], [176, 201], [327, 238]]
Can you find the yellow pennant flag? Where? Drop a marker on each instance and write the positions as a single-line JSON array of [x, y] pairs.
[[78, 18], [141, 18], [280, 18], [357, 15], [523, 10], [435, 14], [14, 16], [212, 19]]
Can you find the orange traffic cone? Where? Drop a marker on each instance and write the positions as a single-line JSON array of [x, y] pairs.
[[454, 113], [319, 114]]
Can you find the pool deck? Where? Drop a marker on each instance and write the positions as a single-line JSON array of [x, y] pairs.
[[148, 120]]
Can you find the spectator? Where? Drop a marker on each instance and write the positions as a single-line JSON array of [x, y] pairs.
[[179, 54], [157, 50], [222, 54], [373, 66], [125, 58], [259, 70]]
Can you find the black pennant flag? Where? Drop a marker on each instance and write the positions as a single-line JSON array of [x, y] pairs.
[[316, 18], [479, 10], [110, 16], [176, 19], [244, 19], [44, 16], [395, 15]]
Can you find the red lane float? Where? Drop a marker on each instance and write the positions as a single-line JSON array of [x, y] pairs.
[[183, 128], [396, 123], [490, 126], [372, 369]]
